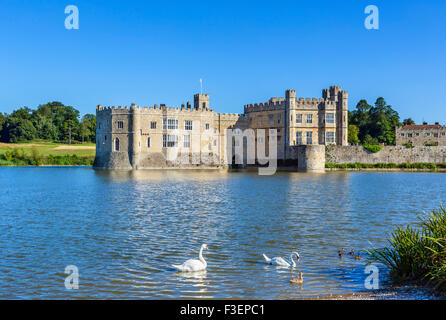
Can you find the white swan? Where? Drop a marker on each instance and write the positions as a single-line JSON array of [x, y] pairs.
[[279, 261], [193, 264]]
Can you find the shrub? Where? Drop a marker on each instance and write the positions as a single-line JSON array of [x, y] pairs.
[[408, 145], [373, 148], [417, 252]]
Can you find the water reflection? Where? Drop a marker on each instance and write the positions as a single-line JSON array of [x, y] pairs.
[[124, 229]]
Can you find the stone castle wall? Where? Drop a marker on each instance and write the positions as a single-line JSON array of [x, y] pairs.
[[388, 154]]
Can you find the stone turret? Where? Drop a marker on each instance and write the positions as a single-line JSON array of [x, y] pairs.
[[201, 101]]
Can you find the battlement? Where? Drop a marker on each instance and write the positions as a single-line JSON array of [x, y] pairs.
[[151, 109]]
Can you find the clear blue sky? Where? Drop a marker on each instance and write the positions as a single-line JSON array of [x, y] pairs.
[[151, 52]]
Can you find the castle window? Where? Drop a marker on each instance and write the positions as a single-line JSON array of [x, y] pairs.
[[207, 126], [209, 147], [105, 138], [148, 142], [215, 130], [170, 140], [330, 137], [402, 134], [443, 133], [428, 134], [120, 124], [186, 141], [279, 118], [187, 124], [298, 137], [409, 135], [152, 124], [436, 135], [271, 119], [298, 118], [116, 144], [215, 142], [309, 118], [309, 137], [170, 124], [329, 118]]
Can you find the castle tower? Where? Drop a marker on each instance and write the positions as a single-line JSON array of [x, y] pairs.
[[342, 110], [135, 136], [201, 101]]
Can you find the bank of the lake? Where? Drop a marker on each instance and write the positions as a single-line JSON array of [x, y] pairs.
[[39, 152]]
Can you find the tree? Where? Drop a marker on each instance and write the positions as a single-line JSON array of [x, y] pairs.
[[88, 128], [2, 121], [376, 124], [408, 121], [353, 131], [18, 130]]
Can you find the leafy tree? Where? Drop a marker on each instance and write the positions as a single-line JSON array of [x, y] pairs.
[[2, 121], [88, 128], [370, 141], [18, 130], [376, 123], [353, 132], [408, 121]]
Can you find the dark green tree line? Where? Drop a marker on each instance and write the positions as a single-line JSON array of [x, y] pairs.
[[373, 124], [52, 121]]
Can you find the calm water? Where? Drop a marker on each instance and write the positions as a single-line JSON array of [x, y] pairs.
[[123, 230]]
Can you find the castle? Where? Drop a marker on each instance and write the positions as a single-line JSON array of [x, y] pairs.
[[191, 137]]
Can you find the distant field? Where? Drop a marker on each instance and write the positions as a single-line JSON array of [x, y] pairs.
[[48, 153]]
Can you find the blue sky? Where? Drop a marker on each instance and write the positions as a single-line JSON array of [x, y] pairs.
[[151, 52]]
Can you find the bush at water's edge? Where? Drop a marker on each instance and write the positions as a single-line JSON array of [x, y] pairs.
[[17, 157], [418, 253]]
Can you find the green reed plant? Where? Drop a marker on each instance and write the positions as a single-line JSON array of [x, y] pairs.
[[417, 253]]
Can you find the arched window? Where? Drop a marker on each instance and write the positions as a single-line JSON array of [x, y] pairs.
[[116, 144], [148, 142]]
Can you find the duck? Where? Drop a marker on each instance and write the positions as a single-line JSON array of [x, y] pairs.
[[279, 261], [298, 280], [352, 252], [358, 257], [341, 252], [192, 265]]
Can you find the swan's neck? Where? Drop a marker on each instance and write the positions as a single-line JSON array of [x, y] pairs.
[[200, 256], [293, 264]]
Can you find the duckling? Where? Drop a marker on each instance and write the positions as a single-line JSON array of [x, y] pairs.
[[298, 280], [358, 257], [352, 252], [341, 252]]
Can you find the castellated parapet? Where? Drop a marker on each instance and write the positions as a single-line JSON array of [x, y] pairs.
[[186, 136]]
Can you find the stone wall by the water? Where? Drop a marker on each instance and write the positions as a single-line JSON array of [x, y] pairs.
[[388, 154]]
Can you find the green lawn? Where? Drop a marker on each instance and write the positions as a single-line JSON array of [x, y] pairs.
[[45, 152]]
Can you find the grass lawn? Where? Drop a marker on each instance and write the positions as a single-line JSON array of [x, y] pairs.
[[48, 151]]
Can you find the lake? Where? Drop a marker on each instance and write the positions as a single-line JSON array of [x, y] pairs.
[[123, 230]]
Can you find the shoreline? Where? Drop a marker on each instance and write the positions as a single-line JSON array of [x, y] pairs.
[[279, 169], [404, 292]]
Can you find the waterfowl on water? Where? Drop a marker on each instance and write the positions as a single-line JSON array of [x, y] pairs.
[[298, 280], [341, 252], [358, 257], [193, 264], [352, 252], [279, 261]]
